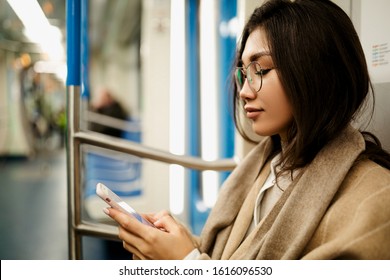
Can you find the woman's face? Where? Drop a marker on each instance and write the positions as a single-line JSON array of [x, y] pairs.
[[268, 109]]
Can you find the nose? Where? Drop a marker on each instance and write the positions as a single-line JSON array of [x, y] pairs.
[[246, 92]]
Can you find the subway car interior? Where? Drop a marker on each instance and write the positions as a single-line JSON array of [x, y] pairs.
[[134, 94]]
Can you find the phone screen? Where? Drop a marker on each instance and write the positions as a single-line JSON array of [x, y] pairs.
[[116, 202], [127, 207]]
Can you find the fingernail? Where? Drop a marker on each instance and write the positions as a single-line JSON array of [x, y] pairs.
[[106, 211]]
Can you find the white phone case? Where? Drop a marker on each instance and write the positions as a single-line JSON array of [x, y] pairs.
[[117, 203]]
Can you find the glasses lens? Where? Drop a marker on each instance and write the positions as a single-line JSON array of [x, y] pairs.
[[240, 79], [254, 74]]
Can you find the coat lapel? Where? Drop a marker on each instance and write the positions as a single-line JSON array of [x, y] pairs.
[[232, 195], [245, 216]]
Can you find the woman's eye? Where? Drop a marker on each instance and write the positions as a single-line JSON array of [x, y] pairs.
[[265, 71], [262, 72]]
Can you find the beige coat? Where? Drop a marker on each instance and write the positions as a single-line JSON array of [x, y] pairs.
[[337, 209]]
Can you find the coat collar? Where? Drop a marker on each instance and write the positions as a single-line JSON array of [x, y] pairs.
[[233, 193], [288, 228], [284, 233]]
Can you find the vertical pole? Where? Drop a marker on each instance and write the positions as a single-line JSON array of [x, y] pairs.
[[73, 153], [84, 60], [193, 110], [73, 16], [84, 50]]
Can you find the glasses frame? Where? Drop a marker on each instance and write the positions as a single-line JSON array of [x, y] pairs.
[[247, 76]]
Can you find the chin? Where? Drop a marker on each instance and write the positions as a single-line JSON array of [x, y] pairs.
[[264, 132]]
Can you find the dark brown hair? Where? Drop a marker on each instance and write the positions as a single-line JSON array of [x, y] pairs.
[[322, 67]]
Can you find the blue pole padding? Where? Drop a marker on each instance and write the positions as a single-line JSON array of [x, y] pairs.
[[73, 9], [227, 47], [196, 217], [85, 89]]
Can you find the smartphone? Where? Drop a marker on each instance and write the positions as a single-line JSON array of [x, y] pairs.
[[117, 203]]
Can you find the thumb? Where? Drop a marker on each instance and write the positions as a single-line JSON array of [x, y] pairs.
[[167, 223]]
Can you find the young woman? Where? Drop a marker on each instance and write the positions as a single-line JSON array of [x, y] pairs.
[[315, 187]]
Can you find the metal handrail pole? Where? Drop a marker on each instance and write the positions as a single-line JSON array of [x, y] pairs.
[[81, 227], [142, 151], [73, 82], [98, 230], [73, 173], [92, 117]]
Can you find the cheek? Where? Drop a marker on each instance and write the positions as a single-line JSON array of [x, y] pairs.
[[282, 107], [278, 106], [276, 99]]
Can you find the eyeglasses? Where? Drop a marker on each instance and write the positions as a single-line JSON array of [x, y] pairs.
[[253, 73]]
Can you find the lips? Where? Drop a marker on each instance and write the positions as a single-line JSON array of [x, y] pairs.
[[252, 112]]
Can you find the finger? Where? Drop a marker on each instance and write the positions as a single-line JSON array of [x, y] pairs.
[[161, 214], [153, 217], [167, 222], [136, 253], [150, 217], [131, 224], [133, 243], [129, 237]]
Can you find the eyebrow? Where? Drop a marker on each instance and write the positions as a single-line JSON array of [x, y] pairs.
[[256, 56]]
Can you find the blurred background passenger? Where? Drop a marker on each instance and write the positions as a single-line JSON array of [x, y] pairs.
[[106, 104]]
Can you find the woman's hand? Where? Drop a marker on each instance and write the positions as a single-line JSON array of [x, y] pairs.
[[169, 240]]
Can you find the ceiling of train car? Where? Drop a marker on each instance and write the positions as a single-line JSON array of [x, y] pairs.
[[12, 36], [115, 16]]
